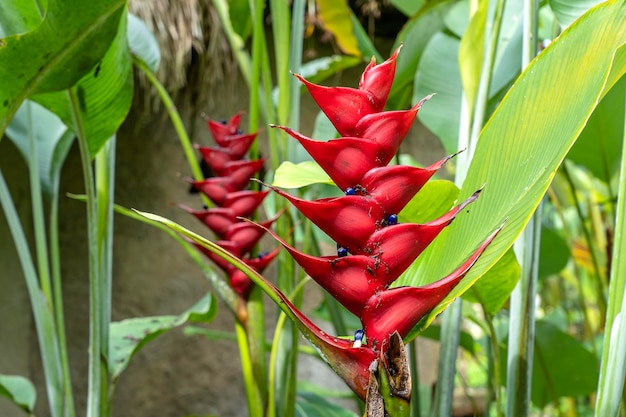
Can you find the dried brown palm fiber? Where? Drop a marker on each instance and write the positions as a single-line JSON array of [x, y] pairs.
[[195, 54]]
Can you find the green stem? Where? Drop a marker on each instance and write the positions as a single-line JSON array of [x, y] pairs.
[[95, 291], [295, 62], [253, 394], [105, 183], [450, 336], [38, 213], [57, 294], [613, 365], [482, 94], [255, 328], [415, 380], [177, 121], [589, 240], [495, 353], [44, 324]]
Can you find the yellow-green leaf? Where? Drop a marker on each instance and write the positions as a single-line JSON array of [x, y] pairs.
[[335, 17]]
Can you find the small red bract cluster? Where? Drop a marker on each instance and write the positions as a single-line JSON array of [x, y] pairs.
[[227, 190]]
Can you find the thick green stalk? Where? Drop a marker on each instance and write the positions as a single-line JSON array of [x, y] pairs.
[[482, 94], [43, 265], [95, 286], [105, 183], [496, 373], [415, 380], [281, 20], [449, 339], [613, 366], [253, 394], [258, 47], [295, 62], [521, 340], [57, 296], [44, 323]]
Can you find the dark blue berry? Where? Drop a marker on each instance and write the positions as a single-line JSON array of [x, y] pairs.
[[392, 219], [341, 251], [350, 191], [223, 121], [239, 131], [358, 335], [262, 255]]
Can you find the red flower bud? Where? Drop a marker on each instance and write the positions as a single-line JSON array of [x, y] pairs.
[[221, 130], [345, 106]]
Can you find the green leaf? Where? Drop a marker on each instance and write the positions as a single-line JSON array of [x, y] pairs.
[[432, 201], [494, 288], [408, 7], [415, 35], [18, 17], [19, 390], [53, 140], [310, 404], [466, 340], [290, 175], [554, 253], [335, 17], [240, 17], [105, 95], [525, 141], [128, 336], [317, 70], [142, 42], [323, 129], [471, 53], [553, 374], [567, 11], [600, 144], [438, 73], [49, 59]]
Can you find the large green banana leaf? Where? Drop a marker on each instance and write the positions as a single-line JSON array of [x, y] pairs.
[[525, 141]]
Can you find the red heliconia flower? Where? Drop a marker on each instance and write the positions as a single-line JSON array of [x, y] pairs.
[[227, 190], [373, 249]]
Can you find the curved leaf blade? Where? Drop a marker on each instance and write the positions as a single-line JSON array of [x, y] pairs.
[[526, 140], [19, 390], [130, 335], [48, 59]]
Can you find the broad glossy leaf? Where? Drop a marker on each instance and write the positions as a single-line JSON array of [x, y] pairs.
[[290, 175], [128, 336], [431, 202], [471, 52], [408, 7], [335, 17], [525, 141], [554, 253], [438, 72], [311, 404], [415, 35], [567, 11], [142, 42], [600, 144], [317, 70], [52, 138], [105, 95], [49, 59], [19, 390], [18, 16], [493, 289], [553, 374]]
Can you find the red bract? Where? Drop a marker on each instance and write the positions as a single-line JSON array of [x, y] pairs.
[[227, 191], [373, 248]]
